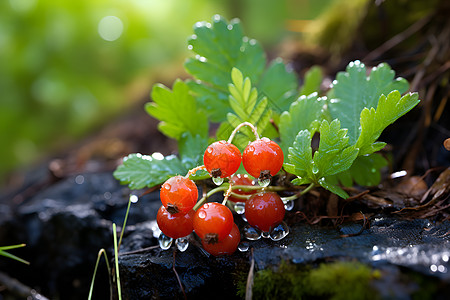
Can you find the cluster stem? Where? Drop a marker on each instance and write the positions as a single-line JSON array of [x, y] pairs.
[[252, 127]]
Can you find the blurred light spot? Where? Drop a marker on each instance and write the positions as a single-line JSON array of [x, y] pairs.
[[110, 28], [158, 156], [433, 268], [398, 174], [22, 6], [134, 198], [79, 179]]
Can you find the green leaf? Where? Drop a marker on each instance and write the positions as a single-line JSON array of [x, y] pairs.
[[279, 86], [305, 113], [333, 188], [333, 155], [373, 122], [312, 82], [353, 91], [177, 111], [192, 149], [139, 171], [365, 171], [221, 46], [300, 156], [243, 101]]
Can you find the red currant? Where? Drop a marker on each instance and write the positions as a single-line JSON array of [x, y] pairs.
[[263, 158], [179, 194], [222, 159], [213, 222], [227, 246], [241, 179], [264, 211], [175, 225]]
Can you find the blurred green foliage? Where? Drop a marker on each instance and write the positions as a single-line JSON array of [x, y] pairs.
[[59, 77]]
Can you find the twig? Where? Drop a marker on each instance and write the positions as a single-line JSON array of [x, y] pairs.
[[18, 288], [359, 232], [249, 286]]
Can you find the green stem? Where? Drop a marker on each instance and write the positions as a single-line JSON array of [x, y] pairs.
[[102, 251], [255, 132], [211, 192], [124, 223], [116, 254], [295, 196]]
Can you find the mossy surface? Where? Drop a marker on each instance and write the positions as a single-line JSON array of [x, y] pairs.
[[336, 280]]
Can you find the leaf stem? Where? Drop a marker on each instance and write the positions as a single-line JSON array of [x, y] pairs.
[[124, 222], [209, 194], [295, 196], [91, 289], [253, 128], [116, 256]]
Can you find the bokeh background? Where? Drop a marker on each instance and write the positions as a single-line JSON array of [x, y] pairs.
[[67, 67]]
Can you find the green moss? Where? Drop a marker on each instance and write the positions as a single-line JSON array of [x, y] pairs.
[[337, 280]]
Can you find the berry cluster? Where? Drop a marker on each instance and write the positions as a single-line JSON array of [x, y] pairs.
[[181, 213]]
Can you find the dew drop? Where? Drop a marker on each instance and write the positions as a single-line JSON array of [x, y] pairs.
[[244, 218], [239, 208], [243, 246], [155, 229], [265, 234], [315, 169], [182, 243], [264, 182], [164, 241], [251, 233], [134, 198], [217, 180], [279, 232], [202, 214], [289, 205]]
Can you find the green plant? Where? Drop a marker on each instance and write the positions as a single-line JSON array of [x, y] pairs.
[[3, 252], [231, 85]]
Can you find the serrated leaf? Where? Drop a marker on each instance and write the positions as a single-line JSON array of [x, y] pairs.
[[305, 113], [177, 111], [139, 171], [313, 80], [300, 156], [333, 155], [352, 92], [333, 188], [374, 121], [220, 46]]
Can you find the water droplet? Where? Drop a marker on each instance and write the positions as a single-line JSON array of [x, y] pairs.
[[239, 208], [164, 241], [265, 234], [190, 47], [243, 246], [155, 228], [79, 179], [264, 182], [202, 214], [251, 233], [217, 180], [315, 169], [134, 198], [279, 232], [244, 218], [289, 205], [182, 243]]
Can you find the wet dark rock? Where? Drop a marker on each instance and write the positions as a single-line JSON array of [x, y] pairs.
[[64, 227]]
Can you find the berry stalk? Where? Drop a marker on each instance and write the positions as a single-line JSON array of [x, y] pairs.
[[252, 127]]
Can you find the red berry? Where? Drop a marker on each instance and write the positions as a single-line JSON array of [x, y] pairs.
[[179, 194], [264, 211], [175, 225], [263, 158], [222, 159], [227, 246], [213, 222], [241, 179]]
